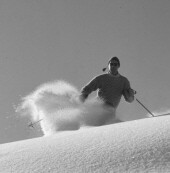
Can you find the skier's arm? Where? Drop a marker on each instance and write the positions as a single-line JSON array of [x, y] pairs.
[[128, 92], [86, 90]]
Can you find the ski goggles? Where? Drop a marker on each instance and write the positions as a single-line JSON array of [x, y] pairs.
[[114, 64]]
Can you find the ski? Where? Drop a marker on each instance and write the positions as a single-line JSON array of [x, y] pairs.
[[162, 114]]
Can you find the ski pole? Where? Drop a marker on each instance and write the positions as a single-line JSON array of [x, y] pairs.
[[145, 107], [32, 124]]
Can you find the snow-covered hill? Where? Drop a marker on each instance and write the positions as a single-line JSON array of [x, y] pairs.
[[134, 146]]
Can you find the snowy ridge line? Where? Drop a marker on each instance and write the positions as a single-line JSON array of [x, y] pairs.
[[134, 146]]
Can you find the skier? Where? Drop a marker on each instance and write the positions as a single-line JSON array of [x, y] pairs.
[[111, 86]]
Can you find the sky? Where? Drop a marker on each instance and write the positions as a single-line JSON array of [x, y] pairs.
[[42, 41]]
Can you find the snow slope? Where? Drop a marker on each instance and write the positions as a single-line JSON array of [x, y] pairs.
[[134, 146]]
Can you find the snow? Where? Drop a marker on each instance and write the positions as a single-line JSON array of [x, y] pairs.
[[57, 104], [85, 137], [133, 146]]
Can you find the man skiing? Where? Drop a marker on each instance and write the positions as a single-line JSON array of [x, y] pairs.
[[111, 86]]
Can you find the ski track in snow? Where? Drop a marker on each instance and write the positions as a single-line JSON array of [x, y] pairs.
[[134, 146]]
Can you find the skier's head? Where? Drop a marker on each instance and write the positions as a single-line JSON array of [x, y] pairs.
[[113, 63], [114, 60]]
